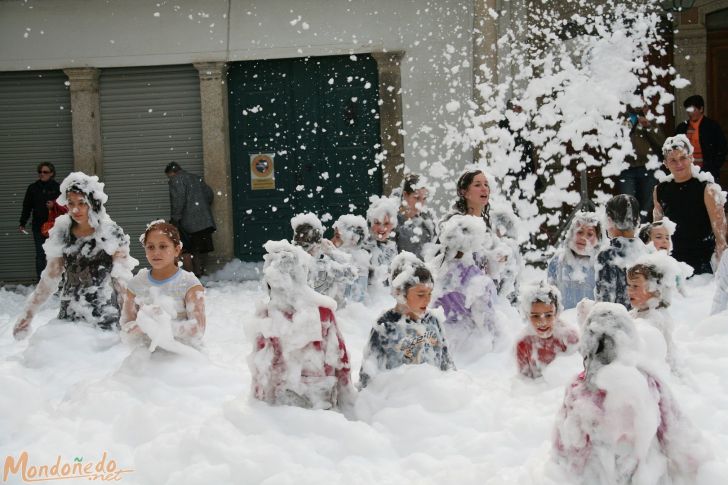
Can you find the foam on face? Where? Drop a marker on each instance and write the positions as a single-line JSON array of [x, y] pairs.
[[92, 189], [672, 272], [539, 292], [352, 229], [405, 264], [380, 207], [464, 233]]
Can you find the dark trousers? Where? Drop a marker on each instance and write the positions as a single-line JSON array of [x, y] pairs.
[[40, 257], [639, 182]]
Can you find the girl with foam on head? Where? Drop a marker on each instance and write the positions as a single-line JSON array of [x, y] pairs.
[[658, 234], [165, 295], [463, 289], [299, 357], [547, 335], [572, 268], [91, 252], [408, 334]]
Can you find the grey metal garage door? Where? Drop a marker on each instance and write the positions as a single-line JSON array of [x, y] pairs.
[[35, 126], [150, 116]]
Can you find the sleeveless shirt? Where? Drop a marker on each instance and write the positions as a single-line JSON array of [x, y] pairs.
[[684, 203]]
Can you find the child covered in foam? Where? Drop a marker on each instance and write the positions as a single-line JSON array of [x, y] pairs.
[[572, 269], [299, 357], [619, 423], [382, 219], [350, 236], [623, 216], [332, 270], [409, 333], [651, 281], [463, 289], [547, 336], [658, 235], [91, 254], [165, 303]]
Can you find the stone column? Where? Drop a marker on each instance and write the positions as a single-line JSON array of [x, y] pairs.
[[86, 119], [390, 117], [216, 154], [485, 54]]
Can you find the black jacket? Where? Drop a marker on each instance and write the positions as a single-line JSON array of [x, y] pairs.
[[712, 142], [36, 196]]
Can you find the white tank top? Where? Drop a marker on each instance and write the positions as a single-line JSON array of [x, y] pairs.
[[175, 287]]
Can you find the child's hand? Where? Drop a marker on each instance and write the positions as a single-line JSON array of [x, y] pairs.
[[131, 328], [22, 327]]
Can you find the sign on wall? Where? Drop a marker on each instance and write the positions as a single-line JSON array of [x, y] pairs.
[[262, 174]]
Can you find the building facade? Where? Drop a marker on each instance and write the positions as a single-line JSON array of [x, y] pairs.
[[283, 106]]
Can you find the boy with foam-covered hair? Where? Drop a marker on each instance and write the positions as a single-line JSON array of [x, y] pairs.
[[547, 335], [623, 218], [409, 333], [651, 281]]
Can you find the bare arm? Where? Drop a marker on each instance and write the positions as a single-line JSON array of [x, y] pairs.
[[195, 305], [46, 287], [657, 208], [717, 217], [128, 311], [121, 273]]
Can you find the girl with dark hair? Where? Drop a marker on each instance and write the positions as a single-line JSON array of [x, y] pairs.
[[91, 252], [415, 225], [39, 199], [473, 190]]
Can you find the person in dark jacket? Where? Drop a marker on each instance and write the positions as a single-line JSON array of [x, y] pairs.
[[706, 137], [190, 200], [38, 199], [639, 179]]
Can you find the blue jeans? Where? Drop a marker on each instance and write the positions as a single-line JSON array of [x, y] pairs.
[[639, 182]]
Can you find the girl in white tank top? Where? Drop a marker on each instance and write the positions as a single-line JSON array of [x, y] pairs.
[[165, 303]]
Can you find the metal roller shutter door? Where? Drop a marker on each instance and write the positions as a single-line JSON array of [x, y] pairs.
[[35, 126], [150, 116]]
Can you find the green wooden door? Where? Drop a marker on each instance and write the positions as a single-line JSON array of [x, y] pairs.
[[317, 119]]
